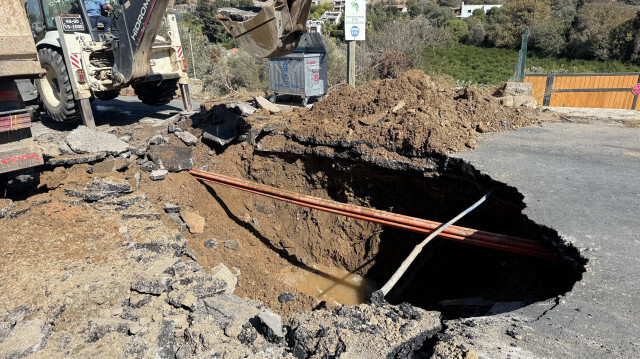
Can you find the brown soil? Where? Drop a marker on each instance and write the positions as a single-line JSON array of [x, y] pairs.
[[432, 119]]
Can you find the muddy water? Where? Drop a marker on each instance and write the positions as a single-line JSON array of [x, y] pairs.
[[335, 286]]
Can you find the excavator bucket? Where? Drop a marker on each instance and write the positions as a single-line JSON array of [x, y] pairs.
[[270, 31]]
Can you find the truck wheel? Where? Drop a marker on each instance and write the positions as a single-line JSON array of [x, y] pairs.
[[107, 95], [55, 89], [156, 93]]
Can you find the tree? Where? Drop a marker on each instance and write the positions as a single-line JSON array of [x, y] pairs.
[[316, 11], [480, 15], [548, 39], [508, 23], [476, 33], [593, 33], [457, 28]]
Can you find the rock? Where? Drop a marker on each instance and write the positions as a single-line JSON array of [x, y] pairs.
[[171, 208], [155, 286], [5, 206], [137, 177], [271, 326], [136, 328], [191, 253], [241, 108], [517, 89], [50, 150], [86, 140], [166, 340], [266, 104], [211, 243], [398, 107], [187, 137], [76, 159], [248, 334], [110, 165], [112, 185], [525, 101], [231, 244], [285, 297], [65, 276], [64, 149], [157, 140], [506, 101], [222, 272], [148, 166], [158, 175], [368, 330], [481, 128], [98, 328], [172, 158], [175, 218], [25, 339], [221, 128], [194, 221], [126, 138]]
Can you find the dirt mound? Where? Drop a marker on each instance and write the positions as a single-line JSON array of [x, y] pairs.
[[410, 115]]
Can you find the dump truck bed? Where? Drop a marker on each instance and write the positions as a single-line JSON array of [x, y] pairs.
[[18, 55]]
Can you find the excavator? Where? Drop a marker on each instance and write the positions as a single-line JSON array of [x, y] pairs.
[[79, 63]]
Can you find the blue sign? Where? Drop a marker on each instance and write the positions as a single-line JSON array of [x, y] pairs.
[[355, 31]]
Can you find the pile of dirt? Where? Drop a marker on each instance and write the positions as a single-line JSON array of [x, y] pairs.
[[410, 115]]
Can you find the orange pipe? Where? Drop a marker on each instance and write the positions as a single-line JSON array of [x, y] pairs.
[[460, 234]]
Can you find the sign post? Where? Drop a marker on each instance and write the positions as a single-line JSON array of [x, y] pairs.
[[355, 16]]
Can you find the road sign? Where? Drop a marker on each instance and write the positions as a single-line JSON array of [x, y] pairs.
[[355, 20]]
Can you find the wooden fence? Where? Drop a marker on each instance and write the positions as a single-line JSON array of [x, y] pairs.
[[611, 90]]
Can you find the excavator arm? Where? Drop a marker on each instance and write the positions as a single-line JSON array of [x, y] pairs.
[[270, 31]]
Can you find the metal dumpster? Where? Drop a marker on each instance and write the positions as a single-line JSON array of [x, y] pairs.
[[303, 72]]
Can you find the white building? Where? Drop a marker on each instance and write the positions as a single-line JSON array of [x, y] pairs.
[[467, 10], [314, 25], [332, 17], [338, 5]]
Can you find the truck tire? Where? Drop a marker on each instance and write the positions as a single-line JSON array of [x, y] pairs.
[[156, 93], [107, 95], [55, 89]]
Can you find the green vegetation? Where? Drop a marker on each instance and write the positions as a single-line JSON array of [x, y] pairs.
[[492, 66]]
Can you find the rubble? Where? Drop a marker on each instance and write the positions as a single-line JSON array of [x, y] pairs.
[[5, 206], [187, 137], [85, 140], [171, 158], [266, 104], [158, 175], [194, 221]]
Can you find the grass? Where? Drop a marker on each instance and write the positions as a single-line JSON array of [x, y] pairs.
[[472, 64]]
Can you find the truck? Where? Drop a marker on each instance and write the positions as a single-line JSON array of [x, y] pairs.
[[142, 50], [18, 62]]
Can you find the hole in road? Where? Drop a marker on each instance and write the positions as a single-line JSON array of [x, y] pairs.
[[460, 280]]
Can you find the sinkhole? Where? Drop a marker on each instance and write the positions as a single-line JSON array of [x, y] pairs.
[[458, 279]]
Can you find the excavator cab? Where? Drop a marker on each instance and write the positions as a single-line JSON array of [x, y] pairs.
[[269, 31]]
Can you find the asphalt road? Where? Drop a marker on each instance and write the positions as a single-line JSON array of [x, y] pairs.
[[583, 180]]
